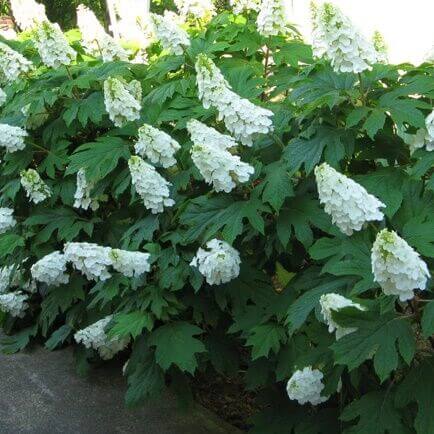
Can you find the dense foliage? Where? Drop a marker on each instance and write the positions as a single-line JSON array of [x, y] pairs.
[[260, 315]]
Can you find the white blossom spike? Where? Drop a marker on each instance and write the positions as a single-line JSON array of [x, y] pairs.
[[51, 269], [243, 119], [35, 188], [82, 198], [219, 263], [53, 46], [3, 97], [348, 203], [122, 100], [272, 18], [14, 303], [12, 64], [7, 220], [198, 9], [241, 6], [12, 138], [150, 185], [172, 37], [130, 264], [157, 146], [306, 386], [397, 267], [94, 336], [9, 276], [28, 13], [336, 39]]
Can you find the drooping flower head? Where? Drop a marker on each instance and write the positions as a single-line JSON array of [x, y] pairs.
[[348, 203], [215, 163], [336, 39], [150, 185], [89, 258], [7, 220], [240, 6], [82, 198], [14, 303], [122, 100], [201, 133], [243, 119], [35, 188], [380, 47], [51, 269], [429, 124], [157, 146], [306, 386], [94, 336], [172, 37], [272, 18], [52, 45], [333, 302], [218, 263], [12, 64], [397, 267], [96, 41], [28, 13], [12, 138], [130, 264], [198, 9]]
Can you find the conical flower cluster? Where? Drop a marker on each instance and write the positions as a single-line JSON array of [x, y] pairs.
[[150, 185], [90, 259], [28, 13], [172, 37], [14, 303], [215, 163], [306, 386], [272, 18], [96, 41], [380, 47], [12, 64], [240, 6], [53, 46], [82, 197], [122, 100], [348, 203], [242, 118], [51, 269], [35, 188], [157, 146], [396, 266], [200, 9], [7, 220], [334, 302], [335, 38], [130, 264], [95, 337], [12, 138], [219, 263]]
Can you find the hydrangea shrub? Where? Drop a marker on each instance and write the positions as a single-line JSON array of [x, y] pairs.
[[225, 199]]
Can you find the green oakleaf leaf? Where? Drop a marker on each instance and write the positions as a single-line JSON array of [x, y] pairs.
[[265, 338]]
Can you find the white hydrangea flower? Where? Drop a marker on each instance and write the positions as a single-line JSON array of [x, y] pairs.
[[240, 6], [172, 37], [306, 386], [130, 264], [348, 203], [94, 336], [89, 258], [200, 9], [429, 123], [36, 189], [272, 18], [3, 97], [220, 263], [335, 38], [52, 45], [333, 302], [7, 220], [396, 266], [82, 197], [157, 146], [418, 140], [122, 100], [12, 138], [150, 185], [12, 63], [243, 119], [28, 13], [215, 163], [14, 303], [51, 269], [96, 41], [380, 47], [8, 277]]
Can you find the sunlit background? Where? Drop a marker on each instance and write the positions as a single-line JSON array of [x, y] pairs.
[[406, 25]]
